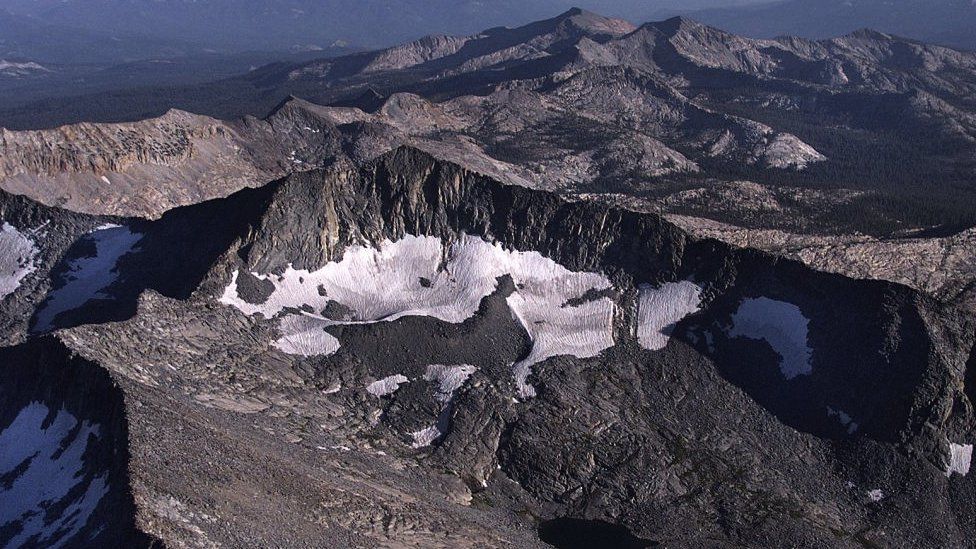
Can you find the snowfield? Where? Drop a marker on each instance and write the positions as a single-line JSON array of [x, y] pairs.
[[386, 386], [89, 276], [660, 309], [47, 459], [421, 276], [960, 459], [781, 325], [449, 379]]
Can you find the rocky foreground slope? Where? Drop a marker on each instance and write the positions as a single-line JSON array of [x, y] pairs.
[[408, 353]]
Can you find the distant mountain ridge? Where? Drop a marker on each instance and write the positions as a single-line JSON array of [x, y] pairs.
[[868, 133], [947, 22]]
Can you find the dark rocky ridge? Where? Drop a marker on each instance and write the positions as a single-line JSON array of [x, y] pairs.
[[695, 444]]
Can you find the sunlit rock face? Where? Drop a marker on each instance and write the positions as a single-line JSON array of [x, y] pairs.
[[17, 256]]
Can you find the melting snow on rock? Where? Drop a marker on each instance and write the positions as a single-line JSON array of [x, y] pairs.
[[45, 458], [17, 254], [448, 379], [419, 276], [305, 336], [660, 309], [781, 325], [386, 386], [87, 277], [960, 458]]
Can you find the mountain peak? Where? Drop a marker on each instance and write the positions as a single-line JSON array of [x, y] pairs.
[[572, 12], [869, 34], [594, 23], [679, 23]]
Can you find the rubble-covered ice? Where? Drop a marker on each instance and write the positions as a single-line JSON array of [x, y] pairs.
[[660, 309], [87, 277], [420, 276], [960, 458], [45, 488], [781, 325], [17, 254]]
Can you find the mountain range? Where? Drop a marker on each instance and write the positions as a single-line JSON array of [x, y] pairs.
[[579, 283], [947, 22]]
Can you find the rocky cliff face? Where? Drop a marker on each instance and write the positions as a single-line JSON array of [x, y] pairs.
[[409, 352]]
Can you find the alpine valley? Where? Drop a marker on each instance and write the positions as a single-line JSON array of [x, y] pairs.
[[579, 283]]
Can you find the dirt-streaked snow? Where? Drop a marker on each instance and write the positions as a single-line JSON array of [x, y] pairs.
[[386, 386], [660, 309], [960, 459], [448, 378], [305, 336], [425, 436]]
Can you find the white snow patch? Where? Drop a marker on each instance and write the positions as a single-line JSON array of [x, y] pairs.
[[449, 378], [844, 419], [106, 180], [17, 255], [960, 457], [419, 276], [54, 468], [783, 326], [305, 336], [386, 386], [425, 437], [660, 309], [18, 69], [876, 495], [88, 276]]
